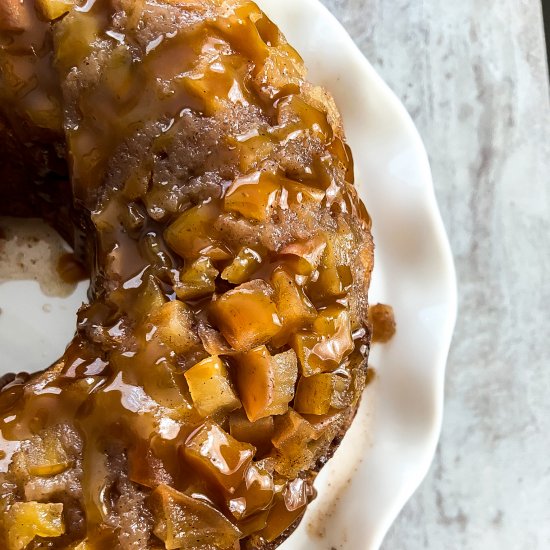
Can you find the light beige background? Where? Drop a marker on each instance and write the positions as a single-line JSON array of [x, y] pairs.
[[472, 73]]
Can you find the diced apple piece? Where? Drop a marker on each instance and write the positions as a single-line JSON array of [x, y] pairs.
[[280, 518], [255, 494], [292, 436], [304, 257], [335, 275], [174, 326], [295, 110], [211, 387], [324, 348], [191, 233], [253, 149], [292, 431], [245, 263], [196, 280], [246, 315], [253, 196], [148, 298], [26, 520], [47, 459], [295, 309], [318, 393], [298, 193], [53, 9], [265, 382], [256, 433], [182, 521], [219, 457]]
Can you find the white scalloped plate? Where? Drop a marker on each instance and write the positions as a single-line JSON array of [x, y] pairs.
[[389, 447]]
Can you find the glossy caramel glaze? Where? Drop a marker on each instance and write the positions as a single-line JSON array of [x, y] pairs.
[[224, 346]]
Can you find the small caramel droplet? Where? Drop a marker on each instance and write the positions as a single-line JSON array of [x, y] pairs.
[[382, 319]]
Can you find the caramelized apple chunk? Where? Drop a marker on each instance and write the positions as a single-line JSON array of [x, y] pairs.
[[191, 233], [147, 298], [53, 9], [182, 521], [253, 196], [26, 520], [196, 280], [319, 393], [257, 433], [294, 308], [242, 267], [253, 495], [330, 341], [173, 326], [219, 457], [211, 387], [292, 435], [335, 275], [45, 457], [289, 504], [304, 257], [265, 382], [246, 316]]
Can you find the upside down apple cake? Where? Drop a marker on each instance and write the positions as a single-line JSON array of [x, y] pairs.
[[222, 355]]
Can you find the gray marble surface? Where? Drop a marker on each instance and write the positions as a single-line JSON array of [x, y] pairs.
[[473, 75]]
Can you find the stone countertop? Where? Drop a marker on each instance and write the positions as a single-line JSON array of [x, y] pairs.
[[473, 76]]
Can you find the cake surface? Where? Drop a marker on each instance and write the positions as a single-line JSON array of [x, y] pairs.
[[222, 355]]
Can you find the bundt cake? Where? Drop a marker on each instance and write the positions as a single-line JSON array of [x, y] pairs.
[[208, 187]]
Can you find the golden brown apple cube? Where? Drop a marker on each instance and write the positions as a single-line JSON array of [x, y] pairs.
[[299, 194], [252, 151], [292, 431], [280, 518], [174, 326], [246, 316], [191, 233], [53, 9], [211, 387], [304, 257], [148, 298], [254, 196], [196, 280], [319, 393], [295, 309], [26, 520], [292, 437], [217, 456], [47, 458], [243, 266], [256, 433], [335, 275], [265, 382], [295, 110], [181, 521], [324, 348], [254, 495]]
